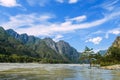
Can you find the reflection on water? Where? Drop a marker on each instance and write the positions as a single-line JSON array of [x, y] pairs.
[[32, 71]]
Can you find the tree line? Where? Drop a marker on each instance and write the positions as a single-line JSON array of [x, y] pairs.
[[110, 58]]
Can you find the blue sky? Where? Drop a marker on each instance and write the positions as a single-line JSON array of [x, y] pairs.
[[92, 23]]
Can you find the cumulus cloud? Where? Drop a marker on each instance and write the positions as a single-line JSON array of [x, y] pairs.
[[95, 40], [9, 3]]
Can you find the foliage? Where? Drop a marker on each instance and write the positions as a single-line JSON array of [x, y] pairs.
[[86, 55], [112, 58], [25, 59], [12, 50]]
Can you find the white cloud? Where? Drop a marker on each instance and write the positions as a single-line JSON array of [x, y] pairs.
[[34, 23], [58, 37], [39, 25], [98, 32], [78, 18], [73, 1], [115, 31], [67, 1], [109, 5], [43, 3], [95, 40], [9, 3]]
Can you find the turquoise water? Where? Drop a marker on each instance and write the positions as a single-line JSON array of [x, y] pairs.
[[34, 71]]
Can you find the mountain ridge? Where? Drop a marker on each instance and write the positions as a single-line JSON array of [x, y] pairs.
[[61, 47], [115, 44]]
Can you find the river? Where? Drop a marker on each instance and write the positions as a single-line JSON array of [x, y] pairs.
[[34, 71]]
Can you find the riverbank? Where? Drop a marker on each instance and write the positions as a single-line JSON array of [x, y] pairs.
[[112, 67], [12, 66], [35, 71]]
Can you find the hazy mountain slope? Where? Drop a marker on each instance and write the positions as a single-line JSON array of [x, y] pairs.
[[36, 44], [115, 45], [63, 48], [47, 46], [9, 45], [102, 52]]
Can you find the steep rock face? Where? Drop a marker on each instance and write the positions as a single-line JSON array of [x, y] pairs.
[[13, 33], [41, 46], [67, 50], [116, 43], [63, 48], [9, 45], [36, 44], [24, 38], [51, 44], [3, 34]]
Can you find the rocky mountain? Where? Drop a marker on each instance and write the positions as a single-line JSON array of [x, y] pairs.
[[37, 45], [9, 46], [24, 38], [67, 50], [50, 43], [113, 54], [102, 52], [47, 47], [63, 48], [115, 45]]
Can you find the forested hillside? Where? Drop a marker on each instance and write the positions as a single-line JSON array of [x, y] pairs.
[[24, 48]]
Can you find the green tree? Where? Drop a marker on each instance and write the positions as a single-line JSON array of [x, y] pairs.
[[86, 55]]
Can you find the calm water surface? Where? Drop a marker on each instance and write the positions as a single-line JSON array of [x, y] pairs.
[[34, 71]]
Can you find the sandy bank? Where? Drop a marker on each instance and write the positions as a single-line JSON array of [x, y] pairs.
[[112, 67]]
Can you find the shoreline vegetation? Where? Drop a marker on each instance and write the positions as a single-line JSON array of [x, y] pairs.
[[30, 49]]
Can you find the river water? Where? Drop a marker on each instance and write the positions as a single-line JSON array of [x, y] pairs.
[[34, 71]]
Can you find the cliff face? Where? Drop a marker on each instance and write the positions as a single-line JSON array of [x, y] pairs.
[[50, 43], [47, 46], [116, 43], [9, 45], [24, 38], [67, 50], [35, 44], [63, 48]]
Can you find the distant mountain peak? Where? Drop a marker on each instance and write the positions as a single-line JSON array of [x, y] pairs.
[[116, 43], [1, 28], [47, 44], [102, 52]]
